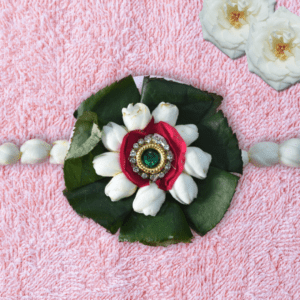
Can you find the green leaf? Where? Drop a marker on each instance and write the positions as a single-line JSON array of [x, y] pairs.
[[91, 201], [79, 172], [169, 226], [108, 102], [191, 102], [85, 145], [217, 139], [214, 196], [86, 135]]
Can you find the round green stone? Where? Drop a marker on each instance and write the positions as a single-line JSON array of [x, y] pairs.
[[150, 158]]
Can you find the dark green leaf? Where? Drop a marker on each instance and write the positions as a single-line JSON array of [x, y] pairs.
[[85, 145], [214, 197], [86, 135], [79, 172], [91, 201], [191, 102], [108, 102], [217, 139], [169, 226]]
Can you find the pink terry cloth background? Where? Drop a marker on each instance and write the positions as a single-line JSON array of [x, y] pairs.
[[53, 55]]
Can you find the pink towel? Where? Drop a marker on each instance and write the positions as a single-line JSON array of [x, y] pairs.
[[54, 54]]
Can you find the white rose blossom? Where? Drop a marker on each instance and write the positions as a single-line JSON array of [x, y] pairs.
[[226, 23], [150, 198], [273, 49]]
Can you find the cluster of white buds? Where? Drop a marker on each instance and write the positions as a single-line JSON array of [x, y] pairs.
[[267, 154], [34, 151]]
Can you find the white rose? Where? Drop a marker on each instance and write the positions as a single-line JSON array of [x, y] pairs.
[[9, 154], [225, 23], [273, 49], [136, 116], [34, 151]]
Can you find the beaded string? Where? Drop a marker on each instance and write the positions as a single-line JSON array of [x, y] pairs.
[[262, 154]]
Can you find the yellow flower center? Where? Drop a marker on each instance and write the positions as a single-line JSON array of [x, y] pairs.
[[280, 49], [234, 18]]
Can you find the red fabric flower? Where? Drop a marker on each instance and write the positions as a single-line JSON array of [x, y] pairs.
[[177, 146]]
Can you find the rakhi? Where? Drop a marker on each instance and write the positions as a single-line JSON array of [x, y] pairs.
[[173, 167]]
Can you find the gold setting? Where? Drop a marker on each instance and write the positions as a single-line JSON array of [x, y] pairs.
[[163, 158]]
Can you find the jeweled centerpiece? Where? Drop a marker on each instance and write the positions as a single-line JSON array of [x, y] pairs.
[[151, 157]]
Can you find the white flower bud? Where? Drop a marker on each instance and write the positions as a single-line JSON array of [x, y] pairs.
[[188, 132], [289, 153], [59, 152], [107, 164], [136, 116], [119, 187], [166, 112], [245, 158], [9, 154], [34, 151], [264, 154], [112, 136], [185, 189], [149, 199], [197, 162]]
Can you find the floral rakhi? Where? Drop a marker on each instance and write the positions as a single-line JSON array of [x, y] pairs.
[[167, 171]]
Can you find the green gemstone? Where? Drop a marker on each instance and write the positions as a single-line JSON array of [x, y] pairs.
[[151, 158]]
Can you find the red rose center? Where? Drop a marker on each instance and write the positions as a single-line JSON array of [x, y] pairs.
[[177, 146]]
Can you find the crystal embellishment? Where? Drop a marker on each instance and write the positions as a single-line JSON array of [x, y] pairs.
[[151, 157]]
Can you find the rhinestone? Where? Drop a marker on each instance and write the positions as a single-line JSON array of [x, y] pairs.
[[132, 153], [144, 175], [136, 146], [136, 169], [148, 138], [132, 160], [161, 175], [170, 155], [166, 147], [154, 177], [141, 141], [168, 166]]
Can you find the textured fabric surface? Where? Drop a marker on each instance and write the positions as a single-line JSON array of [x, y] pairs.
[[53, 54]]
